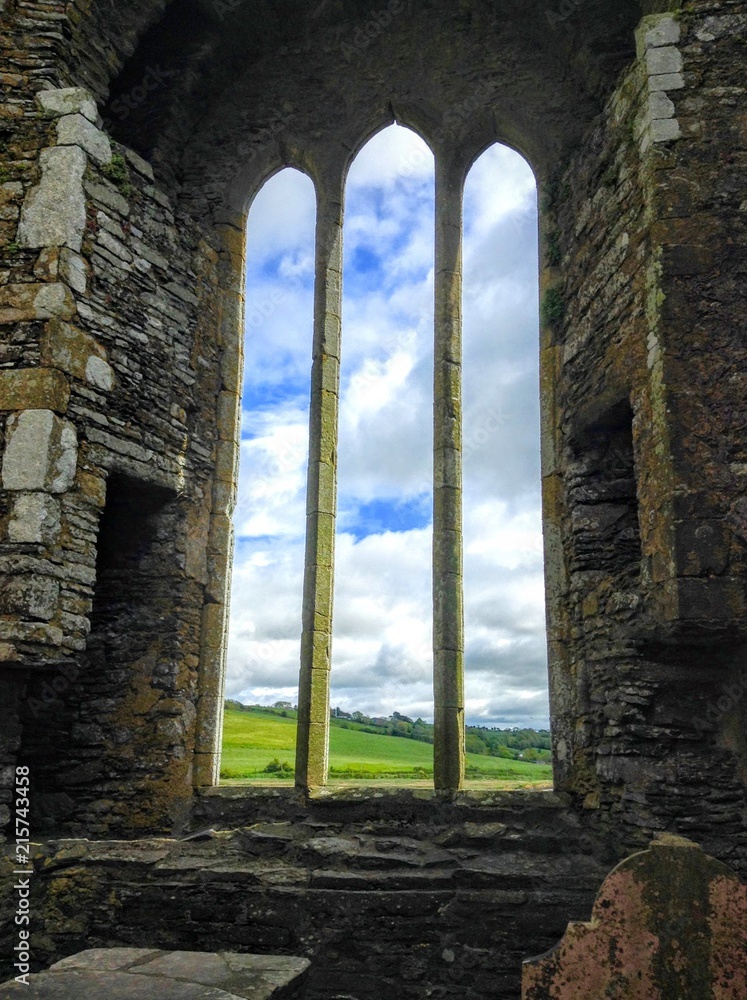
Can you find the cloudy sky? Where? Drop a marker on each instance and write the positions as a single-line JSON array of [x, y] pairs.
[[382, 659]]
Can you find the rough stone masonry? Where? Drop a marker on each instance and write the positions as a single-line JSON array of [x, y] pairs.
[[132, 138]]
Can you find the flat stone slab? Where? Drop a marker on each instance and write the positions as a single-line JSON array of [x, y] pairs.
[[120, 974]]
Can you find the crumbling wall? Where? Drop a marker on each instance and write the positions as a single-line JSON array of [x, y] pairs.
[[108, 394], [646, 546], [400, 893]]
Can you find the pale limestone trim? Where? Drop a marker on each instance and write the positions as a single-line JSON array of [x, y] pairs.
[[211, 680], [448, 582], [663, 66], [312, 742]]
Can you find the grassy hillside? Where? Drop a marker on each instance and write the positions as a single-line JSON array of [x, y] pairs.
[[251, 740]]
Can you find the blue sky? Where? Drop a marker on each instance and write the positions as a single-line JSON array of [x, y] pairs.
[[382, 658]]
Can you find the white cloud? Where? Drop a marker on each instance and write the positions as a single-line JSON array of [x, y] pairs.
[[281, 216], [381, 647], [391, 154]]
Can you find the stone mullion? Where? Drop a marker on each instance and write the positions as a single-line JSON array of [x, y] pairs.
[[448, 602], [215, 613], [321, 499]]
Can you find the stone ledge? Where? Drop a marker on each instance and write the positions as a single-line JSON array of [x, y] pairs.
[[117, 974]]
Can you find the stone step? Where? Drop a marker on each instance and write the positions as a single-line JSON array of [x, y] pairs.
[[139, 973]]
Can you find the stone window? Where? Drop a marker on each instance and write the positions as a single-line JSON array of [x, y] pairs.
[[269, 518], [451, 168]]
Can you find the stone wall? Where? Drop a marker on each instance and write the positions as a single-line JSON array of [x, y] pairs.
[[400, 893], [645, 545], [108, 394]]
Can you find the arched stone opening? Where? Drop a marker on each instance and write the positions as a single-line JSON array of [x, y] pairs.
[[505, 655], [269, 518], [381, 653]]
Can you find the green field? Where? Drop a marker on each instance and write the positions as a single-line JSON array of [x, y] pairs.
[[251, 740]]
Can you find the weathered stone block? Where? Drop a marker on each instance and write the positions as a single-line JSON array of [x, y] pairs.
[[23, 302], [47, 267], [657, 31], [321, 540], [46, 635], [68, 101], [226, 462], [448, 611], [447, 468], [206, 771], [316, 650], [322, 497], [666, 81], [224, 497], [313, 754], [54, 212], [213, 626], [77, 130], [665, 130], [660, 106], [34, 389], [92, 489], [107, 195], [8, 654], [229, 408], [138, 163], [99, 373], [663, 60], [35, 519], [41, 452], [128, 973], [447, 552], [231, 361], [447, 505], [114, 246], [313, 698], [30, 597], [210, 713], [196, 539], [217, 569], [221, 534], [78, 353]]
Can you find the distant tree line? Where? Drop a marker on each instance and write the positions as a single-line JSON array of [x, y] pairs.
[[516, 744]]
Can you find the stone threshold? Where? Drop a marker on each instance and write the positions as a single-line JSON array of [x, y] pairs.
[[135, 973], [544, 798]]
